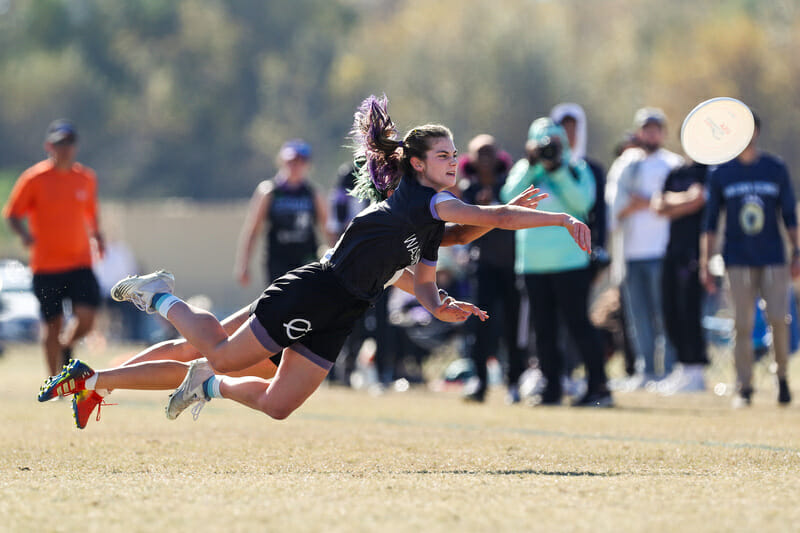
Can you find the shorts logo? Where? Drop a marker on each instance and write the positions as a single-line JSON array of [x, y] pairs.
[[297, 327]]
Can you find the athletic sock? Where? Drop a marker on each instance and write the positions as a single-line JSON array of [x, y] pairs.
[[90, 382], [211, 387], [163, 302]]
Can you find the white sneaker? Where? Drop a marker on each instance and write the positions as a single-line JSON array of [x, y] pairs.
[[191, 390], [139, 290], [690, 379]]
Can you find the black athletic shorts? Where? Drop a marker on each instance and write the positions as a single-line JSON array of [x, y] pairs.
[[308, 310], [79, 286]]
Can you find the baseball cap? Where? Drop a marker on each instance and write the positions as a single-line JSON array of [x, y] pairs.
[[61, 131], [647, 115], [294, 148]]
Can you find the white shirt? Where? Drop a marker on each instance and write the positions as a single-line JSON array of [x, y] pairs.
[[644, 233]]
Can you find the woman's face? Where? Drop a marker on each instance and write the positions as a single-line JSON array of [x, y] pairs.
[[297, 168], [438, 169]]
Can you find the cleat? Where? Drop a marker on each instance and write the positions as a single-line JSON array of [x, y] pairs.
[[191, 390], [69, 381], [83, 403], [139, 290]]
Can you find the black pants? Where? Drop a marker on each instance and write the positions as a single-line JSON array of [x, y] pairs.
[[497, 293], [682, 302], [564, 296]]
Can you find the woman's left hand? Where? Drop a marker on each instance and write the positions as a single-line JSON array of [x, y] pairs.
[[529, 198]]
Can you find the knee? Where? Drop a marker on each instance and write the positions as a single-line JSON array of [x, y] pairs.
[[220, 365]]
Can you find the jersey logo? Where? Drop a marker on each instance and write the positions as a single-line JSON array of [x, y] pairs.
[[751, 216], [297, 327], [412, 245]]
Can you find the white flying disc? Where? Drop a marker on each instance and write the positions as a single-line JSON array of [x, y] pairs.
[[717, 130]]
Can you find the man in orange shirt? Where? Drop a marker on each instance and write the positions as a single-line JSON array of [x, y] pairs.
[[58, 198]]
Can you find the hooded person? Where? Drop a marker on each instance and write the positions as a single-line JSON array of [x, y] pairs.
[[555, 272], [572, 118]]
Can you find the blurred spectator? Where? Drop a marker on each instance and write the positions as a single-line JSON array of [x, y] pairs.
[[413, 332], [752, 189], [290, 208], [644, 236], [58, 199], [572, 118], [682, 202], [555, 268], [482, 173]]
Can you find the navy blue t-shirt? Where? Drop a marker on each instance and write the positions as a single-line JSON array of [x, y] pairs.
[[752, 196], [684, 232]]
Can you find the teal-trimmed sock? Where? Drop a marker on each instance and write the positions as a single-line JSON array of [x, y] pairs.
[[158, 298], [162, 302], [211, 387]]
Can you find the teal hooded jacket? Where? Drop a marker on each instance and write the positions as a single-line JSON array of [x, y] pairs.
[[571, 190]]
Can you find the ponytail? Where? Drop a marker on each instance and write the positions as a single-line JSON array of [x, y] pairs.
[[381, 159]]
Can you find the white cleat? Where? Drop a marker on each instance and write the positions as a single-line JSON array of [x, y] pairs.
[[191, 390], [139, 290]]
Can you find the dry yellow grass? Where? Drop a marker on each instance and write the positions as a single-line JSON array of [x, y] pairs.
[[415, 461]]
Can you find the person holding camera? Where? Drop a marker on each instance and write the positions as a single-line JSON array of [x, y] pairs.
[[555, 270]]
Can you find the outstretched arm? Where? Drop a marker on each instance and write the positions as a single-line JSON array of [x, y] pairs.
[[513, 217], [463, 234]]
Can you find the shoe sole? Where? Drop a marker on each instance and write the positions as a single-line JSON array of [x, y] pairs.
[[163, 275]]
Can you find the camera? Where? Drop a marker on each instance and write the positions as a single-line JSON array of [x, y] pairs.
[[549, 149]]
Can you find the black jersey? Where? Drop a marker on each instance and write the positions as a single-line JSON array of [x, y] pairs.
[[387, 237], [291, 219]]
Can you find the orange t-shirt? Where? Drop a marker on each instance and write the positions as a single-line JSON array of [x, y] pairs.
[[61, 208]]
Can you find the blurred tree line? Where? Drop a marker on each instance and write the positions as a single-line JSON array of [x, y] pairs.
[[193, 97]]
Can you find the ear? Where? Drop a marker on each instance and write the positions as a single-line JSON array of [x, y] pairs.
[[417, 164]]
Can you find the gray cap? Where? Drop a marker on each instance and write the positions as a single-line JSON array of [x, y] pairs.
[[647, 115]]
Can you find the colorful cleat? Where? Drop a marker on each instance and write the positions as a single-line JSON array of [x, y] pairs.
[[69, 381], [191, 390], [139, 290], [83, 403]]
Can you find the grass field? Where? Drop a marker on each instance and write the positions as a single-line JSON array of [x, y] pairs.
[[414, 461]]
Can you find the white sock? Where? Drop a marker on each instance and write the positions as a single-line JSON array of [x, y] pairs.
[[91, 382], [212, 386], [165, 303], [103, 392]]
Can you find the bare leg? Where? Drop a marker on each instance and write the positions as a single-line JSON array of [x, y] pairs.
[[81, 326], [225, 353], [52, 344], [151, 375], [181, 350], [296, 380]]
